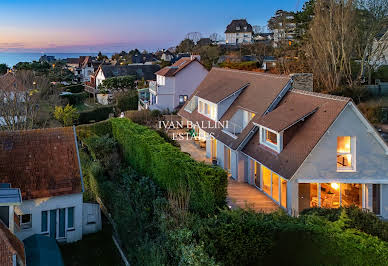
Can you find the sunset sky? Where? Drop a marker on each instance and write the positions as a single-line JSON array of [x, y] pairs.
[[89, 26]]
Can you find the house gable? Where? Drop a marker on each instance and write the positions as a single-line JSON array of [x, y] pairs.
[[371, 159]]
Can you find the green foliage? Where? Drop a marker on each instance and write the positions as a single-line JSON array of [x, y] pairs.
[[151, 156], [42, 67], [381, 74], [96, 115], [185, 46], [3, 69], [366, 222], [96, 129], [76, 98], [74, 88], [241, 66], [67, 115], [122, 82], [127, 101]]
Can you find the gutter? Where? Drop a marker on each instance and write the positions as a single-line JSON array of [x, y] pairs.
[[79, 159]]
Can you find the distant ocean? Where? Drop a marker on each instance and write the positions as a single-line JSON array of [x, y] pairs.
[[12, 59]]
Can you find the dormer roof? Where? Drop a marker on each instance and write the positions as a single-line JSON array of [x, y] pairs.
[[171, 71]]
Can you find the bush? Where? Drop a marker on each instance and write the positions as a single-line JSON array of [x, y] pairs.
[[366, 222], [372, 111], [95, 115], [151, 156], [76, 98], [127, 101], [249, 66], [96, 129], [74, 88], [67, 115]]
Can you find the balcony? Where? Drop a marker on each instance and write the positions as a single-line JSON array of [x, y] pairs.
[[153, 86]]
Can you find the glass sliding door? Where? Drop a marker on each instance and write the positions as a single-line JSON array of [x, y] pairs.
[[330, 195], [275, 187], [351, 194], [376, 204], [256, 172], [283, 192], [266, 173]]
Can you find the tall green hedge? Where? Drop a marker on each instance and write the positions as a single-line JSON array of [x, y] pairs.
[[95, 115], [150, 155]]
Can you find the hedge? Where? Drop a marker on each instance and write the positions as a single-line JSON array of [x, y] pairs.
[[76, 98], [74, 88], [150, 155], [95, 115], [128, 101]]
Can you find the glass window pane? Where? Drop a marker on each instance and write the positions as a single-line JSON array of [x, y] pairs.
[[343, 144], [257, 174], [70, 217], [330, 195], [283, 194], [275, 187], [44, 221], [271, 137], [61, 222], [376, 199], [53, 223], [351, 194], [266, 179]]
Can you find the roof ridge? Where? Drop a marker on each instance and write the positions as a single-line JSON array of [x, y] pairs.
[[322, 95], [252, 73], [37, 130]]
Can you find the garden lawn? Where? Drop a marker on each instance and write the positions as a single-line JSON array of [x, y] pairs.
[[94, 249]]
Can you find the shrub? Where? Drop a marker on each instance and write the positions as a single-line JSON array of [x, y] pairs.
[[249, 66], [96, 115], [127, 101], [67, 115], [100, 129], [151, 156], [74, 88], [372, 111], [76, 98]]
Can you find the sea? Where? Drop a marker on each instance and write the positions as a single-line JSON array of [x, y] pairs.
[[12, 58]]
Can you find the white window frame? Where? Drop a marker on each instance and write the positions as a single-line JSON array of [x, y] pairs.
[[48, 222], [353, 167], [25, 226], [270, 145], [204, 111], [67, 228]]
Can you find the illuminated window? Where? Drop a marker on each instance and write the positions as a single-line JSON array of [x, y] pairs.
[[283, 192], [271, 137], [266, 179], [345, 153], [275, 187], [201, 107]]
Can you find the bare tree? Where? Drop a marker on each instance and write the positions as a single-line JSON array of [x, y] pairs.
[[332, 41], [194, 36], [214, 37], [373, 36], [18, 101]]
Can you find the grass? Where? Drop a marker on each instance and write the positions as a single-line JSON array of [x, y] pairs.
[[95, 249]]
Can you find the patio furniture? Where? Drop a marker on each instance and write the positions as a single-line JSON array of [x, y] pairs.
[[202, 144]]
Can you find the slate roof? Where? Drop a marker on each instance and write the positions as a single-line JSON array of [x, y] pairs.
[[41, 162], [170, 71], [10, 245], [140, 71], [232, 27], [301, 138], [258, 91]]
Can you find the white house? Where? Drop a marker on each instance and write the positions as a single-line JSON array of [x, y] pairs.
[[175, 84], [302, 149], [44, 166], [239, 31]]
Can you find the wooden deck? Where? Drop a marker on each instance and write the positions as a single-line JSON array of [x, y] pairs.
[[243, 195], [240, 195]]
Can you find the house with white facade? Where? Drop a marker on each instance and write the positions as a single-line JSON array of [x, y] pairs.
[[175, 84], [41, 168], [301, 149], [239, 31]]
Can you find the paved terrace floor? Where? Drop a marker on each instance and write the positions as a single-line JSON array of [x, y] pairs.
[[240, 195]]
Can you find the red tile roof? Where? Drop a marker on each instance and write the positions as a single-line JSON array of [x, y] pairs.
[[10, 245], [42, 162], [170, 71]]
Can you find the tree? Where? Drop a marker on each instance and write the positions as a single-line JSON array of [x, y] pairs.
[[122, 83], [331, 43], [209, 55], [214, 37], [67, 115], [19, 101], [101, 57], [185, 46], [372, 23], [194, 36], [3, 69]]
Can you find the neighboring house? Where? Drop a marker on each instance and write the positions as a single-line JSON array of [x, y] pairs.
[[284, 28], [140, 71], [175, 84], [142, 58], [269, 62], [380, 50], [72, 64], [302, 149], [264, 37], [47, 58], [82, 67], [11, 248], [44, 166], [239, 31], [167, 56]]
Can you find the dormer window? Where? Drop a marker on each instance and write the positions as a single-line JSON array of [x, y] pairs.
[[245, 28], [346, 153], [207, 108], [238, 28], [271, 139]]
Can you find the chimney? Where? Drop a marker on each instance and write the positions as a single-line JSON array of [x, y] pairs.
[[302, 81], [195, 56]]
